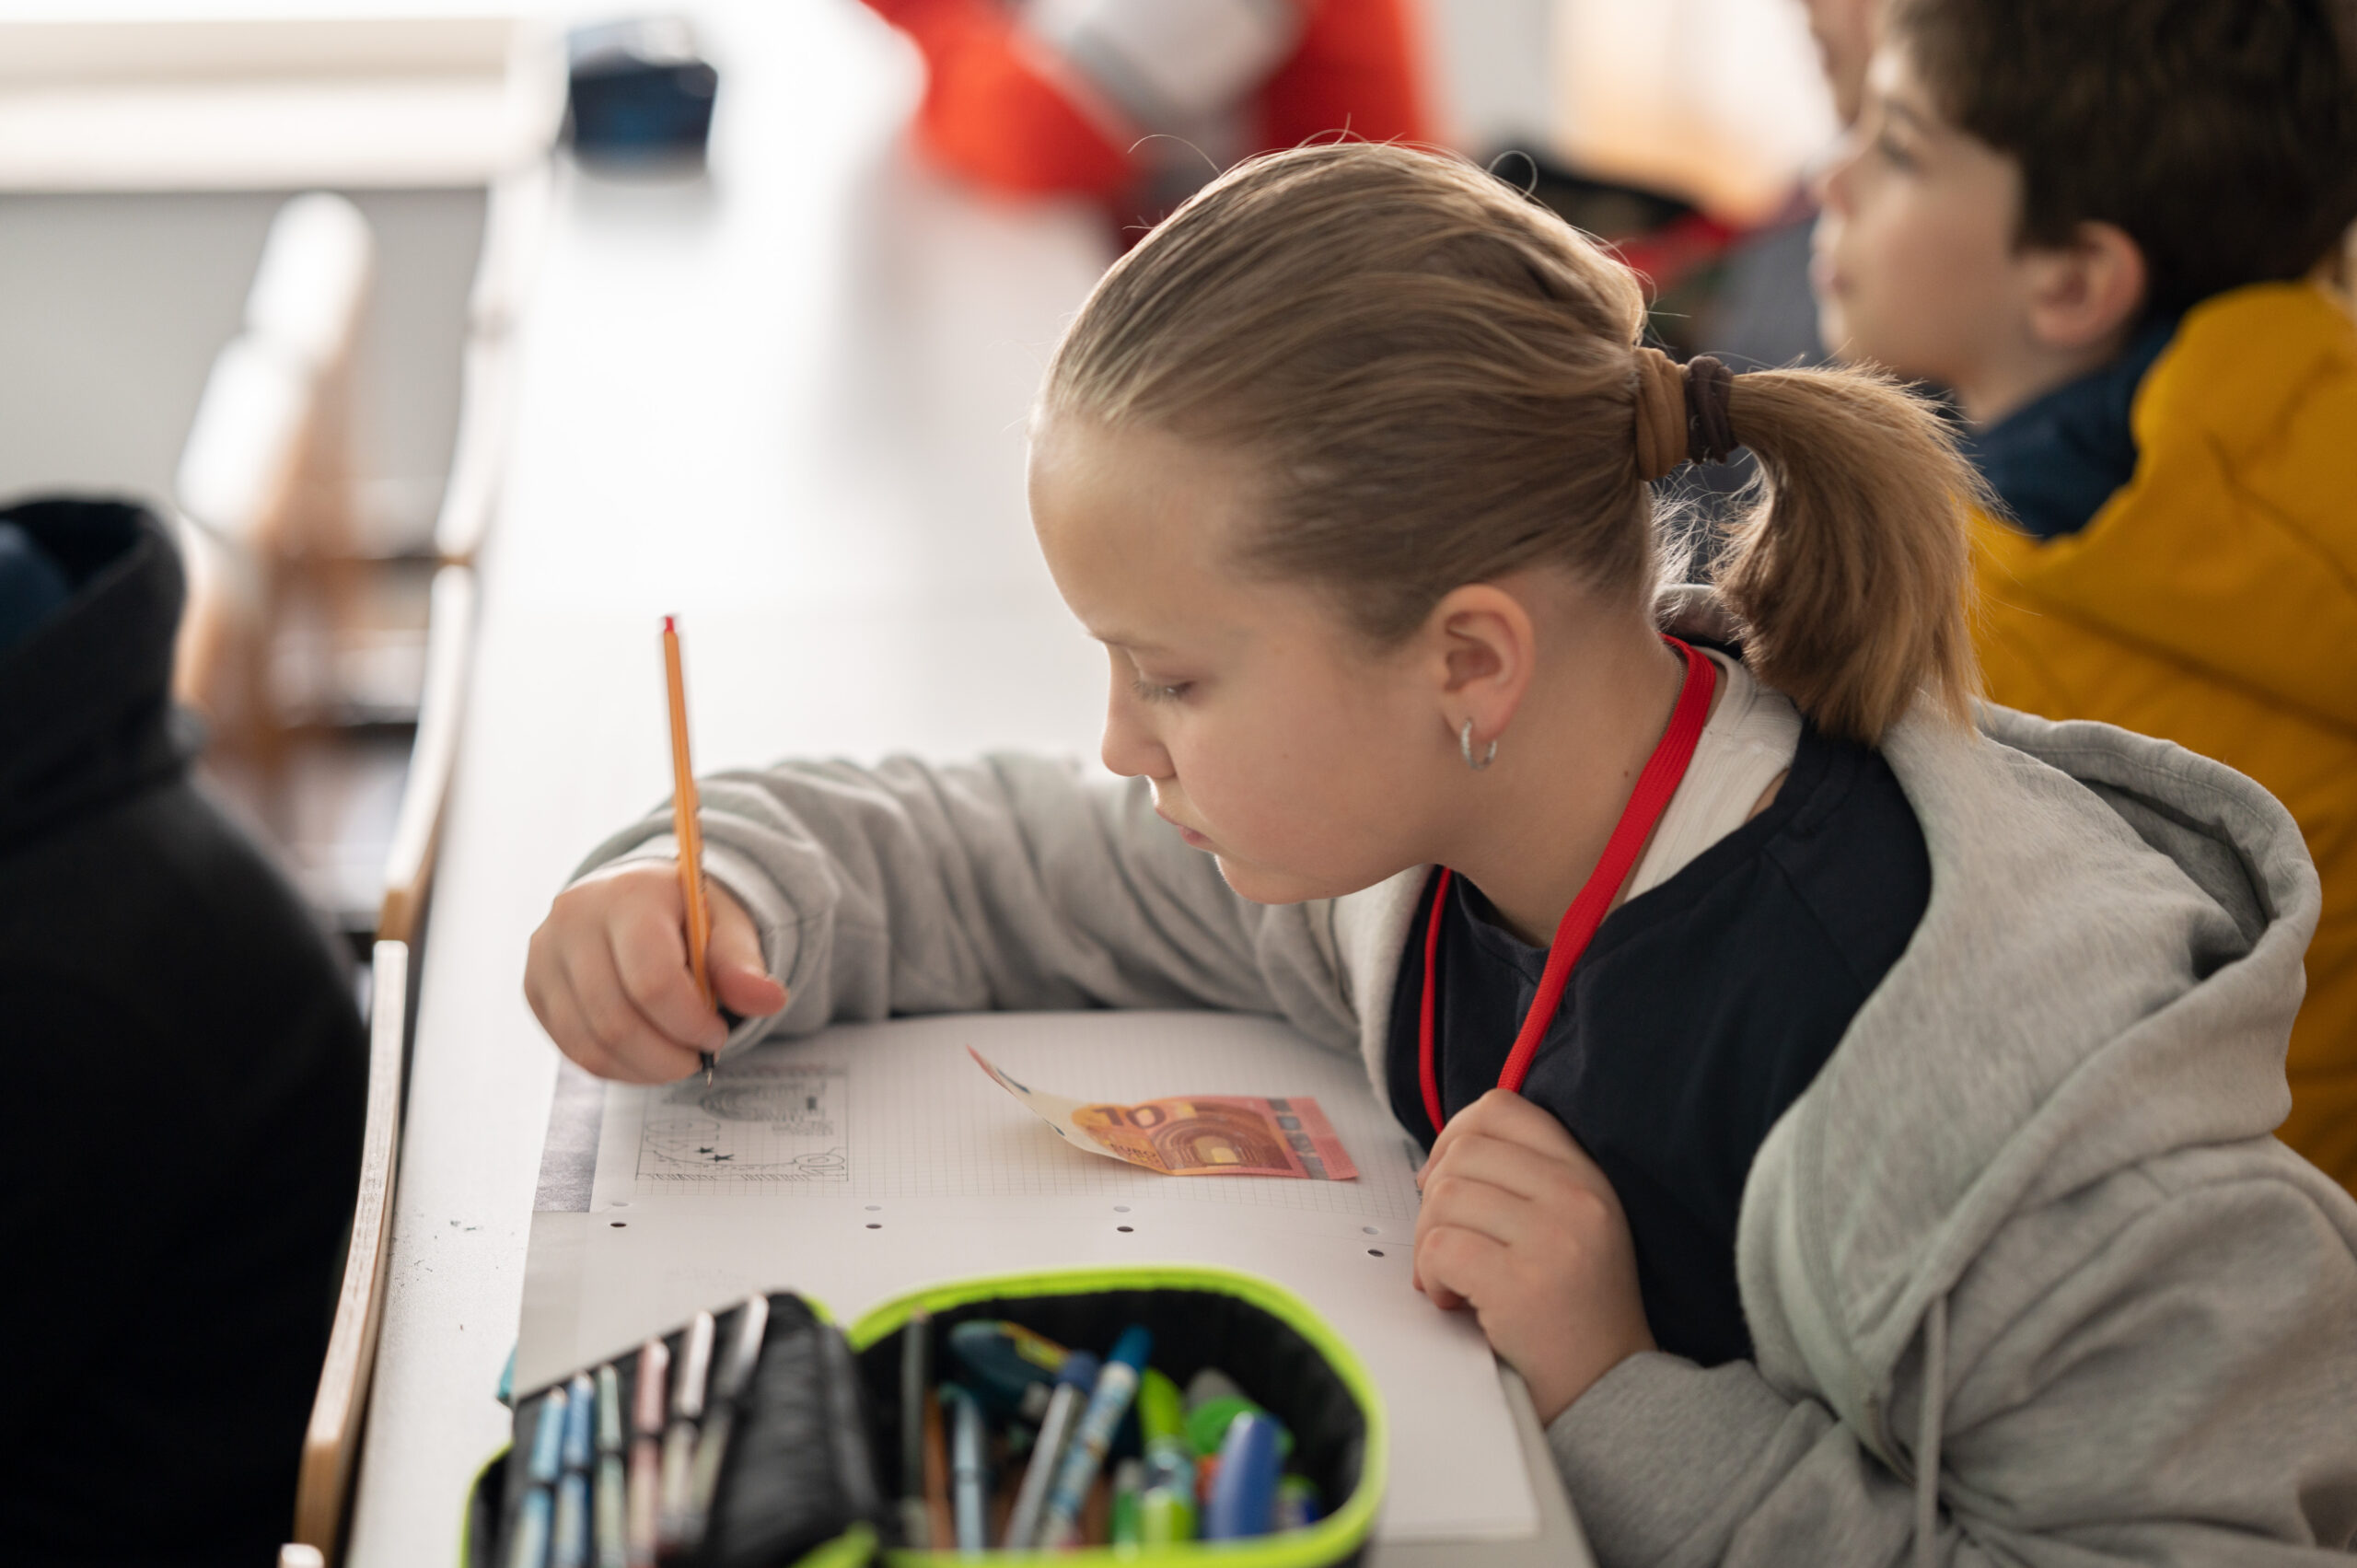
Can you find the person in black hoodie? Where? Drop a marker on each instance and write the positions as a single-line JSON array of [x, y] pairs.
[[185, 1079]]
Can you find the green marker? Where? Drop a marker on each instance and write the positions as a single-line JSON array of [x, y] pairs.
[[1166, 1516], [1128, 1480], [1207, 1423]]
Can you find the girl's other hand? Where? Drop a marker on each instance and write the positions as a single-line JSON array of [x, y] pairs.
[[608, 974], [1520, 1224]]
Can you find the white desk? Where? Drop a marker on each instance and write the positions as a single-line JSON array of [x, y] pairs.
[[787, 404]]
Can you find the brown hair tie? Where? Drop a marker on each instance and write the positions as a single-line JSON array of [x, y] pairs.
[[1682, 414], [1708, 382]]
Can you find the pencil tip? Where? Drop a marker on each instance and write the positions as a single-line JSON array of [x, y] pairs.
[[667, 625]]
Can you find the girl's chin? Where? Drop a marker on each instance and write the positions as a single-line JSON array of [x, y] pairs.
[[1263, 886]]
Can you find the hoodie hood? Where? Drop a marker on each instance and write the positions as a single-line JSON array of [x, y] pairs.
[[2114, 921], [86, 712]]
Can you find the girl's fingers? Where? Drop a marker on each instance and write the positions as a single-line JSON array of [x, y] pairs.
[[739, 973], [643, 1052], [1505, 1115], [1460, 1204], [564, 1022], [1501, 1164], [1460, 1266], [650, 957]]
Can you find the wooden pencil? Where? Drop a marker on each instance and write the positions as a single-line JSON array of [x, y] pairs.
[[685, 825]]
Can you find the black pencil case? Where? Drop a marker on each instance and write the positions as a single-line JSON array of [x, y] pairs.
[[795, 1484], [813, 1490]]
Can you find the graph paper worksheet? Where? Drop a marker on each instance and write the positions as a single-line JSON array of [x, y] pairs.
[[872, 1159]]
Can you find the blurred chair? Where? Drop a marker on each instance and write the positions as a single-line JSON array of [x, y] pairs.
[[264, 481], [332, 1443], [514, 225]]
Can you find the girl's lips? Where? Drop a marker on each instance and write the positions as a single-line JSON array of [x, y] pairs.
[[1192, 839]]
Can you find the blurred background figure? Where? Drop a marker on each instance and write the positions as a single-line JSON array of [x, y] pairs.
[[1138, 102], [180, 1138]]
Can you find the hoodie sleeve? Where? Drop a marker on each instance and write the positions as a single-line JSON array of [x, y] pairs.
[[2177, 1393], [1010, 883]]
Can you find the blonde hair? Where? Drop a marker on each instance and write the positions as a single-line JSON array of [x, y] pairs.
[[1439, 381]]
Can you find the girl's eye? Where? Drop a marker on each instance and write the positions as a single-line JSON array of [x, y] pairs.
[[1149, 691], [1888, 147]]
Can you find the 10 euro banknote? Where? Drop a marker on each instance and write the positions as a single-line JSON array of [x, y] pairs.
[[1194, 1135]]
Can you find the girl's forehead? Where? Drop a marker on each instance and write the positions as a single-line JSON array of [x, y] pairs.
[[1138, 529]]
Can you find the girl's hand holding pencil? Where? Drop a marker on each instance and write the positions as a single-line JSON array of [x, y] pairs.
[[610, 979]]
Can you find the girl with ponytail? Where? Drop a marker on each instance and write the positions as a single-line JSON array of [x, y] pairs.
[[1847, 1104]]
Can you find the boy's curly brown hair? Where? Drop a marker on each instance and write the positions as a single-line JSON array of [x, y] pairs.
[[2221, 135]]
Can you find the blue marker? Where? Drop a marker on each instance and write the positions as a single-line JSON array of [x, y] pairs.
[[609, 1503], [1244, 1492], [571, 1538], [1073, 1382], [528, 1547], [1297, 1502], [967, 1480], [1108, 1403], [548, 1440]]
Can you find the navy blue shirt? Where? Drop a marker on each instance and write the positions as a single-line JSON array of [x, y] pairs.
[[1701, 1009], [2056, 461]]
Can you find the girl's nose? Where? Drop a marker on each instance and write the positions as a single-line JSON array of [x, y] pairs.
[[1129, 747]]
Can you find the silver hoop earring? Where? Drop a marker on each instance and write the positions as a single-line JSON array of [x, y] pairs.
[[1465, 744]]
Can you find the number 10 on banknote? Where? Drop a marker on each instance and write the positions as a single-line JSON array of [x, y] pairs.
[[1194, 1135]]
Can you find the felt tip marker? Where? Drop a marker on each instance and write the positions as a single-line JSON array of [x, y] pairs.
[[1127, 1532], [967, 1480], [528, 1547], [569, 1542], [916, 1379], [639, 1523], [1075, 1381], [609, 1505], [543, 1463], [739, 1354], [689, 1377], [1297, 1502], [1117, 1384], [1244, 1492]]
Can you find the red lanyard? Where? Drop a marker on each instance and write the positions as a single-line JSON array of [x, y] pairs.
[[1663, 771]]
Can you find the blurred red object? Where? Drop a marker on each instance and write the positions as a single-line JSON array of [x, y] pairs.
[[1139, 102]]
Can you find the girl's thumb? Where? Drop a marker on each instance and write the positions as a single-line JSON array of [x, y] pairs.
[[740, 979]]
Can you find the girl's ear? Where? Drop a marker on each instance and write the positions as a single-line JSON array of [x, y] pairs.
[[1485, 651]]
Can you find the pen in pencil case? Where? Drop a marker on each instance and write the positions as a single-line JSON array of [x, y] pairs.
[[639, 1523], [916, 1377], [672, 1519], [738, 1355], [528, 1547], [1108, 1403], [1074, 1379], [569, 1542], [687, 827], [611, 1506]]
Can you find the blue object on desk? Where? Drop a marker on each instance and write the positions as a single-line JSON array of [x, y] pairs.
[[967, 1480], [1244, 1492], [639, 92], [1075, 1381], [548, 1439], [1117, 1385]]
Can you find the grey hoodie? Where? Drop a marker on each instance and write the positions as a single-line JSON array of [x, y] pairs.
[[2029, 1279]]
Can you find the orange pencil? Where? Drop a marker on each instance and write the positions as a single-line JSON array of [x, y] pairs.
[[685, 825]]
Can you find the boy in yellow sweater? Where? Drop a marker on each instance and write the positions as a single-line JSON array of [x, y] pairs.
[[2113, 229]]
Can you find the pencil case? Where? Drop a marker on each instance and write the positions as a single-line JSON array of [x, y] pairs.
[[1264, 1338]]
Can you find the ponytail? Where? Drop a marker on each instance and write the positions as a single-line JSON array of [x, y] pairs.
[[1851, 573]]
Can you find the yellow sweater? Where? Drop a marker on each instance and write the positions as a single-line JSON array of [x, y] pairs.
[[2213, 600]]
